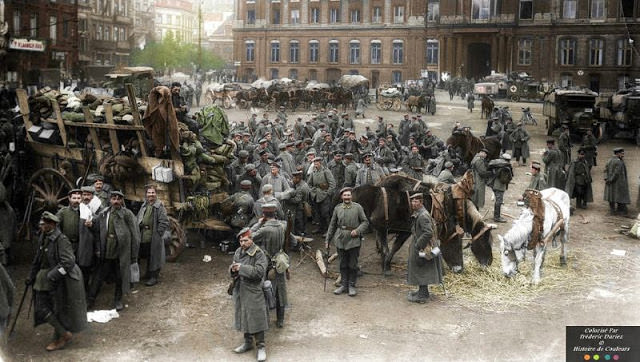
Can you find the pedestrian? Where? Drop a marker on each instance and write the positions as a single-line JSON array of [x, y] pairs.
[[58, 287], [590, 147], [480, 175], [119, 246], [616, 189], [154, 231], [248, 271], [360, 107], [269, 234], [499, 183], [564, 145], [348, 224], [322, 186], [538, 178], [519, 138], [470, 102], [446, 175], [553, 159], [424, 265], [369, 173], [579, 180]]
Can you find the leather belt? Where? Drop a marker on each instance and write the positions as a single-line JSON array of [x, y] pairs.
[[347, 228], [147, 227]]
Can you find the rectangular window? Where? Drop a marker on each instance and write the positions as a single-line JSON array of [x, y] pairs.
[[566, 80], [275, 74], [596, 52], [275, 52], [251, 16], [295, 16], [376, 15], [276, 16], [250, 51], [396, 76], [355, 16], [294, 52], [334, 15], [623, 53], [432, 52], [376, 53], [597, 9], [354, 53], [567, 50], [433, 10], [123, 34], [314, 50], [334, 52], [53, 31], [398, 14], [626, 8], [314, 16], [526, 9], [293, 74], [398, 52], [482, 9], [16, 21], [33, 25], [623, 81], [524, 51], [569, 9]]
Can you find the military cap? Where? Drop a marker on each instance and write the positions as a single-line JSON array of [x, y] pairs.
[[506, 156], [269, 206], [330, 115], [262, 152], [344, 189], [344, 114], [485, 150], [536, 165], [249, 167], [282, 146], [243, 153], [299, 118], [281, 107], [448, 164], [116, 193], [246, 134], [618, 150], [50, 217], [267, 133], [368, 154], [581, 151], [308, 141], [348, 155], [96, 177], [322, 125], [311, 152], [262, 140], [417, 195], [74, 191], [393, 170], [298, 143], [338, 153], [551, 141], [564, 126], [90, 189], [296, 173], [290, 144], [244, 232], [275, 163], [245, 184], [364, 136], [267, 188], [317, 159], [419, 115]]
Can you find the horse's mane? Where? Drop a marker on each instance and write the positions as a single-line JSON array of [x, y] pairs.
[[406, 183], [521, 229]]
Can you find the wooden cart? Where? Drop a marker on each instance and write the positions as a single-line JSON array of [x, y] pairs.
[[49, 183]]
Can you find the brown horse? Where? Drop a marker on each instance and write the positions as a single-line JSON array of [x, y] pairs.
[[388, 209], [417, 103], [487, 107], [471, 145]]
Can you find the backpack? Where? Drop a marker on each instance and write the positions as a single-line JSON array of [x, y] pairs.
[[505, 175]]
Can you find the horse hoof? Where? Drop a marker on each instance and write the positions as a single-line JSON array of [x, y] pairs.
[[563, 261], [387, 273], [457, 269]]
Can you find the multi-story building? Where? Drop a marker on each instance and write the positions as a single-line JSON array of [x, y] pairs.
[[180, 17], [43, 42], [382, 40], [143, 23], [590, 43]]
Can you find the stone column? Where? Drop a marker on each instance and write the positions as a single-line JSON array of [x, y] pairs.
[[284, 15], [304, 12], [366, 12], [387, 12]]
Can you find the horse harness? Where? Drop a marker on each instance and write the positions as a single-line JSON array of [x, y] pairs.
[[537, 205]]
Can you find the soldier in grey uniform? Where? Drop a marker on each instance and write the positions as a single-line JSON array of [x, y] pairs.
[[153, 220], [538, 178], [269, 234], [369, 173], [553, 165], [267, 198], [499, 185], [294, 204], [337, 169], [350, 170], [237, 167], [348, 224], [616, 189], [424, 265], [414, 163], [445, 175], [322, 185], [480, 175], [275, 179], [520, 140], [579, 181], [564, 145], [242, 202]]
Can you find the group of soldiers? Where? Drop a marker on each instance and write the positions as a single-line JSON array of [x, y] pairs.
[[560, 170], [94, 239]]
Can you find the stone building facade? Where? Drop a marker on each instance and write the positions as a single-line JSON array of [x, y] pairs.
[[180, 17], [321, 40]]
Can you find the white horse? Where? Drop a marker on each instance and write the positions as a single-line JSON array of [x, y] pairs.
[[513, 245]]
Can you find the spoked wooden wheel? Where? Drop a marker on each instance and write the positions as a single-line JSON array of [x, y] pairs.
[[178, 240], [50, 189], [397, 105]]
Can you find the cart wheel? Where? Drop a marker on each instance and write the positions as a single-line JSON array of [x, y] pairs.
[[50, 189], [515, 98], [397, 105], [177, 241], [227, 102], [380, 106], [387, 104], [244, 104]]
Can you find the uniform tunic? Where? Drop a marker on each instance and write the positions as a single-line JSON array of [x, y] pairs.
[[421, 271], [250, 310], [345, 218], [579, 180], [269, 236], [616, 187], [553, 168], [480, 173]]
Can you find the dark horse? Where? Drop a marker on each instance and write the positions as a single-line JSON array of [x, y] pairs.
[[470, 145], [395, 218]]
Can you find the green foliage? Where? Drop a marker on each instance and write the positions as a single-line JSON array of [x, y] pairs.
[[171, 53]]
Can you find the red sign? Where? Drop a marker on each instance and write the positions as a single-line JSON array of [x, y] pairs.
[[26, 44]]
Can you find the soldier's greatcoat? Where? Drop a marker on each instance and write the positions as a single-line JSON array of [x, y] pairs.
[[249, 304], [421, 271], [159, 227], [616, 187], [269, 236], [579, 174], [480, 173], [553, 168]]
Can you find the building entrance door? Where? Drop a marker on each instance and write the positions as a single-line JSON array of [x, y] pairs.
[[375, 79], [478, 60], [333, 75]]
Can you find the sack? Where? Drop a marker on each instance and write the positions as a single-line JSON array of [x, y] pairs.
[[269, 298], [135, 273], [308, 211], [281, 261], [239, 220], [505, 175]]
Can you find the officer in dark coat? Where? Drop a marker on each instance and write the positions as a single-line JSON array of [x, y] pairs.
[[579, 180], [248, 271], [268, 233], [154, 230], [616, 188], [553, 165], [424, 265], [348, 224], [58, 284], [69, 217]]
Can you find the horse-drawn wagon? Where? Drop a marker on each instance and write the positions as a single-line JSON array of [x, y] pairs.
[[63, 153], [389, 98]]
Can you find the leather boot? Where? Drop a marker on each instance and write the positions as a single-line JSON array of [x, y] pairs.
[[153, 278], [352, 283], [247, 345], [421, 296], [279, 317], [60, 342], [262, 354], [343, 288]]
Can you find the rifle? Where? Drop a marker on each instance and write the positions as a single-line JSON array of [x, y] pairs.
[[287, 231], [24, 295]]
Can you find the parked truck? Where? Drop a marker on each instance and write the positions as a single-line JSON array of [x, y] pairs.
[[620, 113], [574, 107]]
